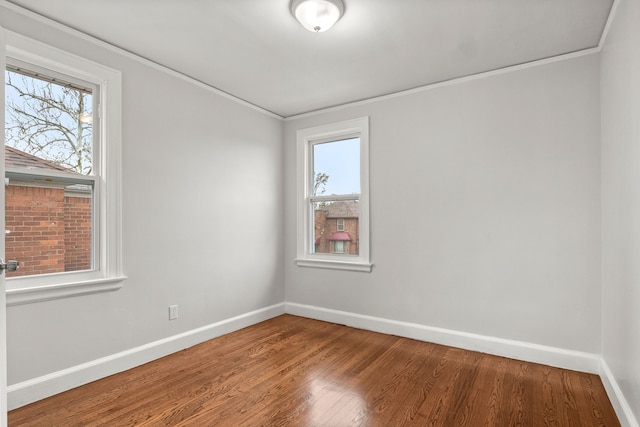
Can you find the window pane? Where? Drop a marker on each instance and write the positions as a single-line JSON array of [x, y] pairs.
[[48, 130], [327, 237], [51, 120], [336, 167], [48, 226]]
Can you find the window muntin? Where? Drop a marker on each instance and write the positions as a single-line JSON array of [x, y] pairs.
[[333, 184], [50, 181]]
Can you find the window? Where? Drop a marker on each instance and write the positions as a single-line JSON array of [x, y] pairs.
[[49, 185], [338, 246], [333, 196], [62, 148]]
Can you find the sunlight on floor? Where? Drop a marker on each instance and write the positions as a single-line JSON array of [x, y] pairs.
[[334, 402]]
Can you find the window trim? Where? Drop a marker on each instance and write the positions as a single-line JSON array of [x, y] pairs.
[[305, 139], [108, 274]]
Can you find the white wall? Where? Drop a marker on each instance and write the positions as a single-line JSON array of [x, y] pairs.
[[621, 201], [485, 209], [202, 219], [486, 214]]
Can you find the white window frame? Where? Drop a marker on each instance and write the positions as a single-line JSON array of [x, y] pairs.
[[306, 138], [340, 224], [107, 274]]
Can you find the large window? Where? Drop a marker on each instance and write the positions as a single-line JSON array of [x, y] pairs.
[[62, 148], [333, 193], [50, 182]]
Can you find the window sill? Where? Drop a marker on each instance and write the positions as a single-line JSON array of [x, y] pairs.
[[335, 265], [63, 290]]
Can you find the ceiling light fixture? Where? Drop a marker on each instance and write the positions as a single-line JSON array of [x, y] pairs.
[[317, 15]]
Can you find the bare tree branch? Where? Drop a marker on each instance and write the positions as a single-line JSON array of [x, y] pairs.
[[319, 183], [46, 120]]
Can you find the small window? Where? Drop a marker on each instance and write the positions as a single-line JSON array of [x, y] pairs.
[[333, 173]]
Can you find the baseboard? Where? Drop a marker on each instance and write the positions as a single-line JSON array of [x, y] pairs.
[[26, 392], [620, 404], [552, 356]]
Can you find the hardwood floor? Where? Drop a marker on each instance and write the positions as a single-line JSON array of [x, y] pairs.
[[292, 371]]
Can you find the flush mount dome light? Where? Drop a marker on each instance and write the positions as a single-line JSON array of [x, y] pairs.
[[317, 15]]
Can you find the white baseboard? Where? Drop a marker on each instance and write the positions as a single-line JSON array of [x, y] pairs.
[[26, 392], [552, 356], [620, 404], [29, 391]]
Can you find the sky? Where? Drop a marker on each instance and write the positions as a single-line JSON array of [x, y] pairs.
[[43, 146], [341, 161]]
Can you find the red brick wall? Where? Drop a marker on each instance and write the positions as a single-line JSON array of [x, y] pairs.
[[321, 232], [351, 227], [323, 227], [35, 217], [39, 219], [77, 227]]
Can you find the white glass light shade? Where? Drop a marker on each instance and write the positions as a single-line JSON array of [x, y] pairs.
[[317, 15]]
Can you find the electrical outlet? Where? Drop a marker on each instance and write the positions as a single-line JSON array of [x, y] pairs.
[[173, 312]]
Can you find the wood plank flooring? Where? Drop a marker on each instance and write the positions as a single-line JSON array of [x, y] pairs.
[[292, 371]]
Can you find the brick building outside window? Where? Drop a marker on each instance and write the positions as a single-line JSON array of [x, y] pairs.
[[336, 228], [48, 224]]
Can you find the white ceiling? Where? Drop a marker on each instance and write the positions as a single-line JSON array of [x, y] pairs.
[[256, 51]]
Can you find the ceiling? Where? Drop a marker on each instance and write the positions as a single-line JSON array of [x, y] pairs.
[[255, 50]]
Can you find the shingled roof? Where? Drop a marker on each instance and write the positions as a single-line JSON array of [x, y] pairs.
[[16, 158], [342, 209]]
